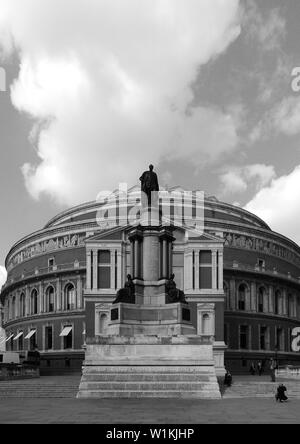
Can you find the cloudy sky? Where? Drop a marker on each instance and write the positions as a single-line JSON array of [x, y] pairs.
[[95, 90]]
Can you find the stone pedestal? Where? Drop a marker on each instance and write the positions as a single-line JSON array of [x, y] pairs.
[[149, 367]]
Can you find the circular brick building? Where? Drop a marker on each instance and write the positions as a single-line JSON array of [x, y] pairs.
[[62, 279]]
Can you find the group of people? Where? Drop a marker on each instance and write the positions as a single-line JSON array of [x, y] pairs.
[[280, 395], [259, 368], [256, 368]]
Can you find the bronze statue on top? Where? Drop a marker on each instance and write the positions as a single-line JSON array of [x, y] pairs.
[[149, 187], [126, 294], [173, 293]]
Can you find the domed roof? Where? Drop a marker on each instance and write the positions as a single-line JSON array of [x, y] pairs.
[[214, 210]]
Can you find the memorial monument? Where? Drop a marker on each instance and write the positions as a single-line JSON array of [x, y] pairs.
[[150, 347]]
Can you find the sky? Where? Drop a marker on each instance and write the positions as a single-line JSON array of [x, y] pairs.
[[92, 92]]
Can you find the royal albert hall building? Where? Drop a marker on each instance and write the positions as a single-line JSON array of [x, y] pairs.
[[63, 278]]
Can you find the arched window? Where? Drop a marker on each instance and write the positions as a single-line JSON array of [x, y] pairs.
[[277, 302], [242, 297], [69, 303], [261, 297], [50, 299], [103, 323], [34, 302], [22, 305]]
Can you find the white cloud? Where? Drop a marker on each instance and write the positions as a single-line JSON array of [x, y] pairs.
[[233, 182], [3, 276], [239, 179], [283, 118], [112, 79], [278, 204]]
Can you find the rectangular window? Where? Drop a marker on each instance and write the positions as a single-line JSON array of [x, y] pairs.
[[244, 337], [49, 338], [178, 269], [263, 338], [104, 269], [21, 342], [205, 270], [32, 342], [226, 334], [12, 343], [279, 339], [32, 339], [242, 305], [51, 263], [67, 334]]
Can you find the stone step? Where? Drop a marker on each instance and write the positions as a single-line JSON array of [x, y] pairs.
[[149, 369], [144, 386], [260, 390], [102, 377], [187, 394]]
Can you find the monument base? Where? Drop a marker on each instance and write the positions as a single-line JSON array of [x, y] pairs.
[[149, 367]]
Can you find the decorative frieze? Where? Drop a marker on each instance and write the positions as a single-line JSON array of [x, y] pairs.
[[57, 243], [261, 246]]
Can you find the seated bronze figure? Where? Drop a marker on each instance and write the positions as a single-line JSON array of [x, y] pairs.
[[126, 294], [173, 293]]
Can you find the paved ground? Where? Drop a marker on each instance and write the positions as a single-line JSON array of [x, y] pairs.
[[148, 411]]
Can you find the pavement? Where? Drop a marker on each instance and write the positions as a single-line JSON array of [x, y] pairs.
[[148, 411]]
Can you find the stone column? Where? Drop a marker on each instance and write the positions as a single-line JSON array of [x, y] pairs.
[[170, 262], [79, 292], [41, 295], [220, 270], [214, 270], [27, 302], [271, 299], [112, 270], [132, 258], [248, 299], [164, 259], [95, 269], [58, 304], [151, 256], [284, 303], [197, 271], [253, 297], [137, 260], [119, 269], [88, 269], [188, 270], [232, 293]]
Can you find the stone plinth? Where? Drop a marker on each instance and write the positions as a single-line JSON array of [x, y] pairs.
[[149, 366], [161, 320]]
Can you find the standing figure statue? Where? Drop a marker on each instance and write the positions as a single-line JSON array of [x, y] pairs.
[[149, 188], [173, 293]]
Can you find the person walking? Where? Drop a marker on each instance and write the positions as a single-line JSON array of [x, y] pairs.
[[252, 369], [259, 368], [273, 370]]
